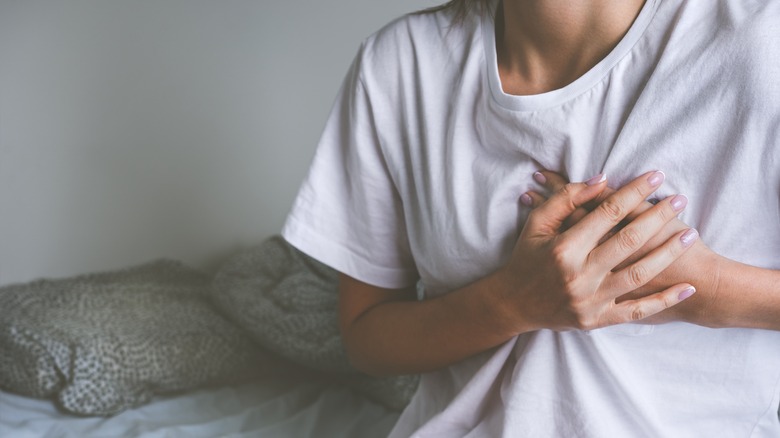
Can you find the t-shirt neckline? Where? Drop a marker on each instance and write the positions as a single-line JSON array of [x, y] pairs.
[[557, 97]]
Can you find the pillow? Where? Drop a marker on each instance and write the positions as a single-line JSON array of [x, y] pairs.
[[103, 343], [288, 302]]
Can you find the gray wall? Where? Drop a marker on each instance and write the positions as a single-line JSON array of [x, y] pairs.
[[137, 129]]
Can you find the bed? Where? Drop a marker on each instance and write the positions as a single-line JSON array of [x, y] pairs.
[[275, 407], [163, 350]]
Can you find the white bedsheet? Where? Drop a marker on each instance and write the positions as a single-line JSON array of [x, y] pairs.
[[276, 407]]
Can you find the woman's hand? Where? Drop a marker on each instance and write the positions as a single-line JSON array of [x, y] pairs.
[[698, 266], [564, 279]]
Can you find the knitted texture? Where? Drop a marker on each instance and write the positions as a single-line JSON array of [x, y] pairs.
[[288, 301], [103, 343]]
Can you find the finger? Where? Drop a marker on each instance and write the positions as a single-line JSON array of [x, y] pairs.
[[648, 267], [590, 206], [639, 309], [634, 235], [555, 181], [643, 207], [576, 217], [549, 216], [550, 180], [614, 209], [532, 199]]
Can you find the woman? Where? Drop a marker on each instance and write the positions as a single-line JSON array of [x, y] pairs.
[[441, 121]]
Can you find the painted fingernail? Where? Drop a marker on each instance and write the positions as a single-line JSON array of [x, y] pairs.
[[526, 199], [656, 178], [679, 202], [689, 237], [538, 177], [596, 179], [687, 292]]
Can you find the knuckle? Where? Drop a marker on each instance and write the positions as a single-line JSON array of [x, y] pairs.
[[582, 314], [567, 190], [639, 192], [638, 275], [561, 253], [670, 251], [668, 302], [629, 238], [580, 321], [637, 312], [585, 322], [665, 212], [673, 252], [612, 210]]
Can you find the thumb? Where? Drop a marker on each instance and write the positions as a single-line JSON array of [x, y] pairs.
[[550, 216]]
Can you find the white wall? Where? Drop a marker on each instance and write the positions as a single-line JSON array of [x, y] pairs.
[[137, 129]]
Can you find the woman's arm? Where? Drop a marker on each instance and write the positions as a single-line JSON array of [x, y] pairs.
[[555, 279], [729, 294], [389, 332], [744, 296]]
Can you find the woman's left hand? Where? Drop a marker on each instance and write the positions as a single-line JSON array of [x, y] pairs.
[[698, 266]]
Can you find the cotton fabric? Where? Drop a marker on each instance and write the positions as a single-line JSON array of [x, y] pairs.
[[418, 175]]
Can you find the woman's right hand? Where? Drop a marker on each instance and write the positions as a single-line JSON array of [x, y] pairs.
[[569, 279]]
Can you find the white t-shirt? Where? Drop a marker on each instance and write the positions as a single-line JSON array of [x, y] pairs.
[[419, 172]]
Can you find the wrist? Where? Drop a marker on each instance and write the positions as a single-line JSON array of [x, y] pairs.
[[706, 307], [742, 296], [505, 294]]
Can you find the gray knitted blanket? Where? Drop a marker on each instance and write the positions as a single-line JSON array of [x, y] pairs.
[[99, 344], [102, 343], [288, 302]]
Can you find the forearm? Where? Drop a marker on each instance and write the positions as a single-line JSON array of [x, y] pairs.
[[407, 337], [553, 280], [746, 297]]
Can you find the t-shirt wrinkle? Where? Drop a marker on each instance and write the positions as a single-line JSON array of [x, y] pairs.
[[418, 175]]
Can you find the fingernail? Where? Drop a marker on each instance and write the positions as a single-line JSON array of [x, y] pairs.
[[689, 237], [596, 179], [656, 178], [679, 202], [687, 292], [526, 199], [538, 177]]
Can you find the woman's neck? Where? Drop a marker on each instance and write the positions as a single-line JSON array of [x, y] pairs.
[[543, 45]]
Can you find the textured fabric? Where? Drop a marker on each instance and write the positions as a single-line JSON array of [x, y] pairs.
[[287, 406], [103, 343], [419, 171], [289, 303]]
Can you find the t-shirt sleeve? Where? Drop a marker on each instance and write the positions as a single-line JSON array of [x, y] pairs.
[[348, 213]]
